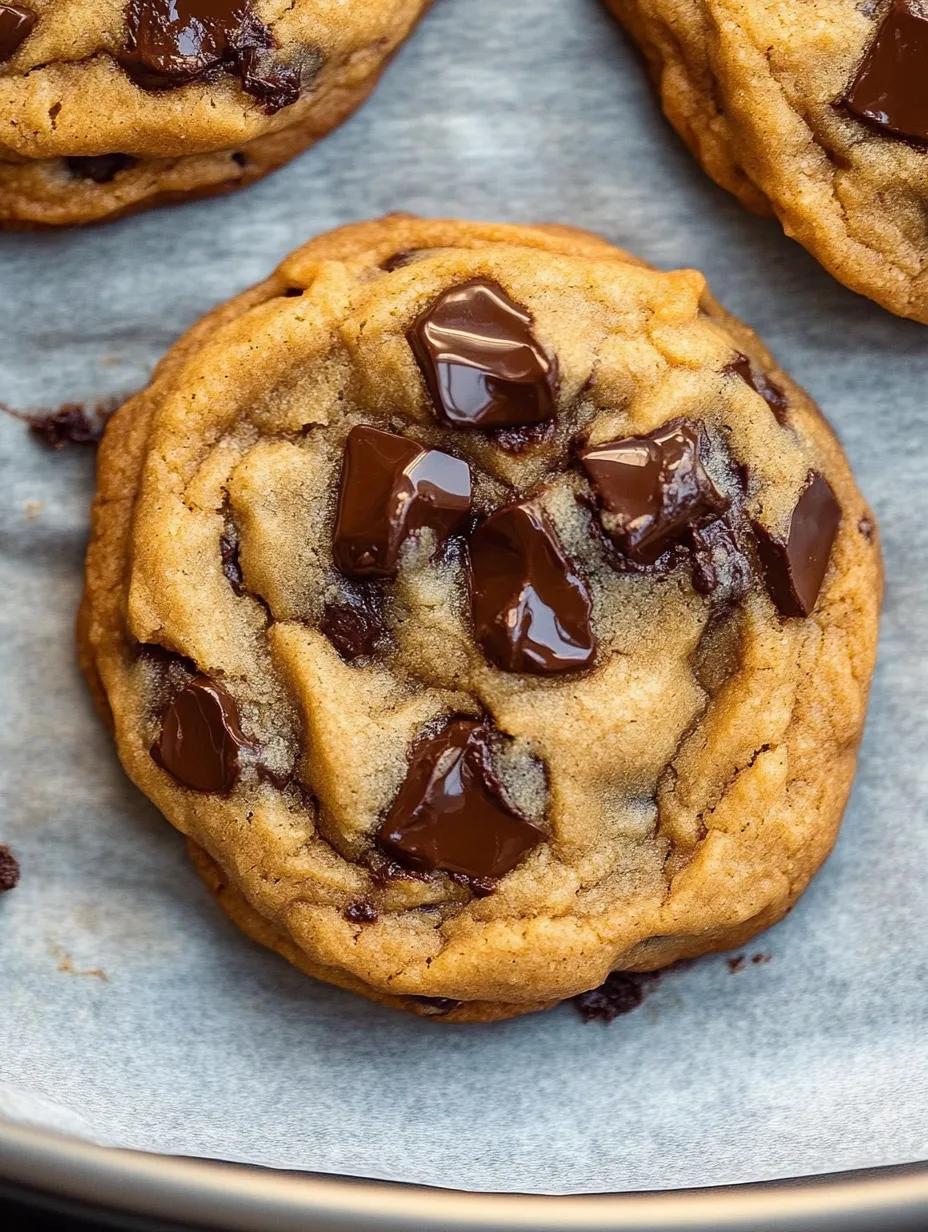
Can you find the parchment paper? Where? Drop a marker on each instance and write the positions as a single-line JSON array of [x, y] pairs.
[[132, 1012]]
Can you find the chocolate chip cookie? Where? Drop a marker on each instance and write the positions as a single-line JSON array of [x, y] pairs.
[[110, 107], [488, 610], [813, 110]]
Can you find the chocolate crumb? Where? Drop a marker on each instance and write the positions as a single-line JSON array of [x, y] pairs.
[[434, 1007], [736, 964], [622, 992], [231, 569], [9, 870], [73, 423], [757, 959], [361, 912], [866, 528]]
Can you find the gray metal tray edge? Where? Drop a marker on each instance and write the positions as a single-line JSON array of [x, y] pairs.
[[237, 1198]]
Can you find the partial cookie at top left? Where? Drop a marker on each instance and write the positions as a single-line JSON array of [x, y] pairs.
[[111, 107]]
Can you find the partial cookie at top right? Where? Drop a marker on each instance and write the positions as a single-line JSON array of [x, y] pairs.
[[813, 110]]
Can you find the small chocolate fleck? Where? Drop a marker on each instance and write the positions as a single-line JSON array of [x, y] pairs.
[[867, 528], [769, 390], [736, 964], [101, 168], [281, 779], [361, 912], [482, 364], [399, 259], [170, 43], [9, 870], [758, 959], [16, 24], [352, 628], [480, 887], [531, 609], [383, 871], [239, 158], [434, 1007], [622, 992], [795, 567], [890, 90], [450, 813], [201, 737], [653, 488], [390, 488], [231, 568], [73, 423]]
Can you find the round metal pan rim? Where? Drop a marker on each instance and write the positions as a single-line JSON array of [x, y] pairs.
[[238, 1198]]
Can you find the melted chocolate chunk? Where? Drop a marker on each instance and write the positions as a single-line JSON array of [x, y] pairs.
[[769, 390], [173, 42], [352, 628], [719, 562], [399, 260], [480, 887], [434, 1007], [531, 609], [361, 912], [890, 90], [201, 737], [101, 168], [383, 871], [390, 488], [450, 813], [481, 361], [622, 992], [9, 870], [795, 567], [16, 24], [231, 568], [653, 488]]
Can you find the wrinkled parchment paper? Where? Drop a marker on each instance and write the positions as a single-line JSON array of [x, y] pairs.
[[133, 1013]]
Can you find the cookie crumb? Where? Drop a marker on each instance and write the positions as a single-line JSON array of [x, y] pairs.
[[9, 870]]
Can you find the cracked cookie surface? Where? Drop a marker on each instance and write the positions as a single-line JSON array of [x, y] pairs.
[[488, 610], [812, 110], [113, 106]]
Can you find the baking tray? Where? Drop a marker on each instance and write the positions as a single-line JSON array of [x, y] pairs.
[[164, 1191], [579, 143]]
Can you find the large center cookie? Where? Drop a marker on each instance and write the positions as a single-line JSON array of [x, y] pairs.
[[110, 106], [488, 611]]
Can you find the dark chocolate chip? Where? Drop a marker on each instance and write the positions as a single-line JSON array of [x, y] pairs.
[[622, 992], [170, 43], [481, 362], [201, 737], [231, 568], [101, 168], [890, 90], [769, 390], [450, 813], [361, 912], [9, 870], [531, 609], [434, 1007], [390, 488], [795, 566], [653, 488], [16, 24], [352, 628]]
